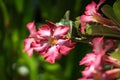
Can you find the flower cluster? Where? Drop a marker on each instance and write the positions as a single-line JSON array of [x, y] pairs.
[[49, 41], [96, 60]]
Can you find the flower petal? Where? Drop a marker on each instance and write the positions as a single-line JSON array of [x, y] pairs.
[[65, 45], [88, 71], [30, 52], [62, 41], [86, 18], [100, 3], [40, 47], [51, 54], [88, 59], [91, 8], [31, 27], [27, 44], [61, 31], [44, 31], [97, 44], [64, 49]]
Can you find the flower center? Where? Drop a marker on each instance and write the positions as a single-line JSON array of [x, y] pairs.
[[53, 41]]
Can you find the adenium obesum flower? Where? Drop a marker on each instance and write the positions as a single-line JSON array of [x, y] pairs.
[[88, 16], [92, 61], [91, 14], [50, 41], [95, 60]]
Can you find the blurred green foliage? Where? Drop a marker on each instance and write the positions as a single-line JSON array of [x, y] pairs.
[[16, 65]]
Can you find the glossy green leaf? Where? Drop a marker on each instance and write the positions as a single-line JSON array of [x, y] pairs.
[[98, 30], [116, 54], [116, 9], [108, 11]]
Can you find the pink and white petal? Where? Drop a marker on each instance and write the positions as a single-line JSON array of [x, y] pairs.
[[66, 42], [70, 44], [41, 48], [65, 45], [31, 27], [61, 31], [50, 59], [30, 52], [27, 43], [91, 8], [88, 71], [88, 59], [97, 44], [62, 41], [86, 19], [44, 31], [64, 49], [83, 25], [51, 54], [100, 2]]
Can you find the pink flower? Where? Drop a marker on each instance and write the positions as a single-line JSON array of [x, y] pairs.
[[50, 41], [92, 15], [91, 10], [93, 61], [101, 45]]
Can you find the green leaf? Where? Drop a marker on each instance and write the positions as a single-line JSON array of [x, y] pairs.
[[116, 54], [88, 29], [98, 30], [116, 9], [108, 11]]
